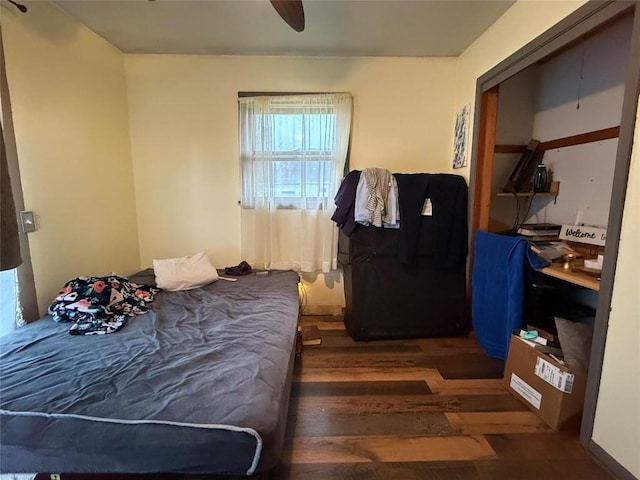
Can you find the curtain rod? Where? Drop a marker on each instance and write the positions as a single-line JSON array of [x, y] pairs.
[[278, 94]]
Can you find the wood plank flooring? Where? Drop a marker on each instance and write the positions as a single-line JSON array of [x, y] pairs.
[[415, 409], [419, 409]]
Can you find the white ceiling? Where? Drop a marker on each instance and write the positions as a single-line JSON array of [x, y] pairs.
[[385, 28]]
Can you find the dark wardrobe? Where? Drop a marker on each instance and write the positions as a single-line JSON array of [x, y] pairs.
[[410, 282]]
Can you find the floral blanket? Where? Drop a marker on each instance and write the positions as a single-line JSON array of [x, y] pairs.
[[100, 305]]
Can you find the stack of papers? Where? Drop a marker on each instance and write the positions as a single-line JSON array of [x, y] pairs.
[[553, 251], [539, 230]]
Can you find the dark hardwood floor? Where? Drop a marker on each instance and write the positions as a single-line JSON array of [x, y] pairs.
[[419, 409], [415, 409]]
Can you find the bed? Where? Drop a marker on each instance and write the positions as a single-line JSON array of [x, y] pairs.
[[198, 385]]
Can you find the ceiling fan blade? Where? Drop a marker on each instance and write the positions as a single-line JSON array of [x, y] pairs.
[[19, 6], [291, 12]]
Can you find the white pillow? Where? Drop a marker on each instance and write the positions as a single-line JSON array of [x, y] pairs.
[[184, 273]]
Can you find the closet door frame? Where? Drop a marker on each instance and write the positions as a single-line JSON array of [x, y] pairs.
[[592, 16]]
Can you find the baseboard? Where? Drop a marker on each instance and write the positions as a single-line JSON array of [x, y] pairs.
[[609, 462], [321, 310]]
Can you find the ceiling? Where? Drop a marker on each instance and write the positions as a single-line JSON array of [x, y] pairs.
[[383, 28]]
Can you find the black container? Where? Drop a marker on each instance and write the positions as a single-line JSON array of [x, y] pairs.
[[541, 179], [388, 299]]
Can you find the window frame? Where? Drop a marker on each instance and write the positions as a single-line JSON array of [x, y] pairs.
[[301, 156]]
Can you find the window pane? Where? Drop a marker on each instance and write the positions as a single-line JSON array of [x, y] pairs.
[[295, 133], [323, 137], [291, 156], [287, 178], [8, 301], [317, 178], [296, 150]]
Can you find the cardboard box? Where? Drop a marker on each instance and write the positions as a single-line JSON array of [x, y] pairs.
[[547, 387]]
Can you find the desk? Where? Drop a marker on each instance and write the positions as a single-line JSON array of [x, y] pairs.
[[557, 270]]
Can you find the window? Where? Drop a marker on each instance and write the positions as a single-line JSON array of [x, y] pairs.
[[8, 301], [293, 152], [290, 154]]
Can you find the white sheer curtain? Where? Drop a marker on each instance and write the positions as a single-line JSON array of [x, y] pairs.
[[293, 151]]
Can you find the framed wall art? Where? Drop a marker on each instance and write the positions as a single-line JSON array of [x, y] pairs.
[[460, 138]]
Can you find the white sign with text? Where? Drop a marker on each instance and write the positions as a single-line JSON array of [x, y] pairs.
[[579, 233]]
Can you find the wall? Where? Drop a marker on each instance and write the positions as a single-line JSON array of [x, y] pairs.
[[513, 127], [617, 422], [523, 22], [582, 90], [68, 95], [617, 415], [577, 91], [184, 134], [71, 125]]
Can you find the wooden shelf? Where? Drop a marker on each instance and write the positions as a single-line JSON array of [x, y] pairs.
[[595, 136], [510, 149], [527, 194], [588, 137], [557, 270]]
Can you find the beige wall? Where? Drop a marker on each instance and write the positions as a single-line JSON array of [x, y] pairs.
[[184, 134], [69, 102], [68, 95], [617, 422], [523, 22], [617, 428]]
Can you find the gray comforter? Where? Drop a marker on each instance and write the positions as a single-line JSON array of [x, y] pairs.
[[198, 385]]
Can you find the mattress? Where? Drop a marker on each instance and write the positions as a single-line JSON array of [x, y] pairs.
[[200, 384]]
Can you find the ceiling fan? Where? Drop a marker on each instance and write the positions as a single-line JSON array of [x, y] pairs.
[[291, 12], [19, 6]]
